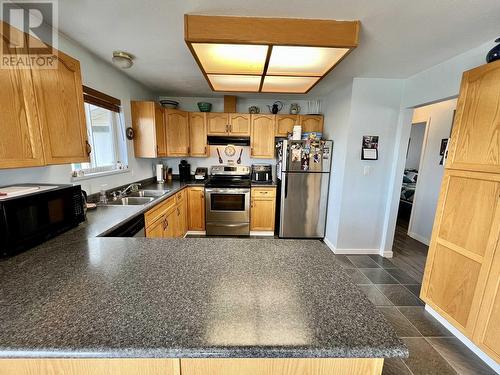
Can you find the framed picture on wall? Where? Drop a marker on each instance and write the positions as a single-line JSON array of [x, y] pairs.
[[369, 147]]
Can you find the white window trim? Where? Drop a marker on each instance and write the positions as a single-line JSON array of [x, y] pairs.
[[100, 174]]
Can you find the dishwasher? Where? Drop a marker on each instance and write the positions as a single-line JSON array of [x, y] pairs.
[[132, 228]]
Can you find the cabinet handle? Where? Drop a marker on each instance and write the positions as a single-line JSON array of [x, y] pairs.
[[157, 150], [189, 149], [205, 150], [178, 212], [88, 147], [231, 128]]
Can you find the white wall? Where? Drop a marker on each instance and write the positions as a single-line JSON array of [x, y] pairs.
[[101, 76], [440, 116], [374, 110], [415, 147]]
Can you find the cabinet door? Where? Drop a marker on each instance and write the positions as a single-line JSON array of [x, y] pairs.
[[180, 219], [177, 125], [262, 214], [239, 124], [284, 124], [143, 123], [196, 208], [262, 137], [217, 123], [475, 140], [198, 134], [170, 228], [20, 140], [59, 97], [487, 331], [463, 241], [311, 123], [161, 133], [157, 229]]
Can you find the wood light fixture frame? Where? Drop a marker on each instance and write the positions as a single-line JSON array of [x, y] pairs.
[[270, 32]]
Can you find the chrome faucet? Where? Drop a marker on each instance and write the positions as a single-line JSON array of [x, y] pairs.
[[132, 187]]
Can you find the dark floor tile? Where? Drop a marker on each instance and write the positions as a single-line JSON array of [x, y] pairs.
[[382, 262], [402, 276], [357, 276], [424, 359], [375, 296], [343, 261], [395, 366], [426, 324], [461, 358], [401, 325], [378, 276], [399, 295], [363, 261], [414, 288]]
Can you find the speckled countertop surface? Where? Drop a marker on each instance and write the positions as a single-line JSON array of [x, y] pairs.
[[81, 296]]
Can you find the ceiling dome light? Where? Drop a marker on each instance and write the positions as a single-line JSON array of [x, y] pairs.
[[123, 60]]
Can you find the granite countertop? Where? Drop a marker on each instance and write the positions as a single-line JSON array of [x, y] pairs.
[[193, 297]]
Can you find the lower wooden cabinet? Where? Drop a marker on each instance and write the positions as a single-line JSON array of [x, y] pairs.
[[263, 209], [196, 208], [168, 219]]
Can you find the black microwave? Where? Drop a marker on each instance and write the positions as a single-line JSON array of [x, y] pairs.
[[44, 212]]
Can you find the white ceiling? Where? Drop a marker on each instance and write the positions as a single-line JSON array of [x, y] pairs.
[[398, 37]]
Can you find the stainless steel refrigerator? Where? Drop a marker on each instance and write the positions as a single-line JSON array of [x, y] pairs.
[[304, 173]]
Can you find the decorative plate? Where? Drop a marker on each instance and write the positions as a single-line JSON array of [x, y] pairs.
[[229, 150], [129, 132]]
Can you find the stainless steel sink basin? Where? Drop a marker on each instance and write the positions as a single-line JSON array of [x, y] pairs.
[[148, 193], [131, 201]]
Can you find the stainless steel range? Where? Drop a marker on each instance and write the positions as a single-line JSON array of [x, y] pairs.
[[227, 203]]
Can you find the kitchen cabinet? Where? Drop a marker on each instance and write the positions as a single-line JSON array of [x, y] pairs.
[[239, 124], [217, 123], [285, 124], [262, 136], [311, 123], [262, 208], [59, 97], [180, 220], [160, 220], [198, 146], [196, 208], [461, 276], [149, 129], [177, 132]]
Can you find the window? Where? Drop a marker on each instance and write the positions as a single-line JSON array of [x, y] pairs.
[[105, 134]]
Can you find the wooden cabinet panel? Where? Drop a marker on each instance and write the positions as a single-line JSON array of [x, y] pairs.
[[161, 133], [198, 134], [20, 140], [263, 209], [177, 130], [282, 366], [487, 332], [59, 97], [158, 211], [180, 219], [239, 124], [263, 192], [475, 140], [284, 124], [157, 229], [311, 123], [464, 237], [170, 229], [196, 208], [143, 123], [217, 123], [262, 136], [87, 366]]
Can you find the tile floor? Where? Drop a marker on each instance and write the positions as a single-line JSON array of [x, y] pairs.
[[433, 349]]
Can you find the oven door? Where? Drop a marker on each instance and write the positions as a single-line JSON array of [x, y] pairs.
[[227, 204]]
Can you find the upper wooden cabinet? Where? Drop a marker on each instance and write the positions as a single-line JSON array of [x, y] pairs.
[[20, 140], [59, 96], [198, 134], [228, 124], [177, 132], [239, 124], [262, 136], [311, 123], [285, 124], [149, 127], [475, 140], [217, 123]]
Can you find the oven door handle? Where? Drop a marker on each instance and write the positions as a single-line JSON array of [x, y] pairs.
[[227, 190]]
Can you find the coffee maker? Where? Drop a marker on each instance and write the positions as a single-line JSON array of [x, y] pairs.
[[184, 171]]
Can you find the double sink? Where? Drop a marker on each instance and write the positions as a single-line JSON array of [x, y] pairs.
[[138, 198]]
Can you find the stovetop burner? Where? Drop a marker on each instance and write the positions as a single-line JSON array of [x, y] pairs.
[[224, 176], [228, 182]]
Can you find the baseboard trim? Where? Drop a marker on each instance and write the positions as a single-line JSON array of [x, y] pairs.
[[419, 238], [353, 251], [459, 335], [329, 244], [262, 233], [387, 254], [197, 232]]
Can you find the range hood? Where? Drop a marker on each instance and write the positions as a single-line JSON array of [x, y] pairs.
[[223, 141]]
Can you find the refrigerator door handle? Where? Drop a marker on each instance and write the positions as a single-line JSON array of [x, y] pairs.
[[286, 185]]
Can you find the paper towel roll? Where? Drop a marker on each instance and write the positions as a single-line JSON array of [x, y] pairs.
[[159, 173], [297, 132]]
